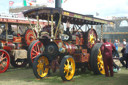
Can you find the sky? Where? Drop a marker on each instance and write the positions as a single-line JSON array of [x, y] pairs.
[[105, 8]]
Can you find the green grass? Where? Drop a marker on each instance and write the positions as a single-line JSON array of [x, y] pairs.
[[25, 76]]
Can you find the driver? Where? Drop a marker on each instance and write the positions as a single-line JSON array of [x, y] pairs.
[[10, 32], [3, 32], [67, 31]]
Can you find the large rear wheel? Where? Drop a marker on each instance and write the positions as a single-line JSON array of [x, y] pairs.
[[29, 36], [67, 68], [96, 60], [90, 38], [4, 60], [41, 66], [35, 48]]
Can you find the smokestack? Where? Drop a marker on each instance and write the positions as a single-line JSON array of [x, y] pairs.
[[57, 3]]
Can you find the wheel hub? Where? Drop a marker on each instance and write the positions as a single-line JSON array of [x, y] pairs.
[[51, 49], [68, 68]]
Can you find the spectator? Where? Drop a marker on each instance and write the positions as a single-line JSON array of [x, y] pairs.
[[124, 41], [98, 40], [123, 58], [126, 56], [106, 50], [116, 45]]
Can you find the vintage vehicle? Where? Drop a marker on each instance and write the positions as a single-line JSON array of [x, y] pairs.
[[15, 37], [70, 49]]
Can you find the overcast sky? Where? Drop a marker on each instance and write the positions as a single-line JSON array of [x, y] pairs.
[[105, 8]]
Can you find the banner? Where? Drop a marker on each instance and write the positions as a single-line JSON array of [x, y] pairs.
[[24, 2], [50, 1], [11, 3]]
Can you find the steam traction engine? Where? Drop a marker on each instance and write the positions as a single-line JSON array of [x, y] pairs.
[[66, 50], [13, 46]]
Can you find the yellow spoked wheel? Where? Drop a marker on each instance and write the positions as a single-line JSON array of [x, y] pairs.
[[41, 66], [100, 63], [96, 60], [67, 68], [90, 38]]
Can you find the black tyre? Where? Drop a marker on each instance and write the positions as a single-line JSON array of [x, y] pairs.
[[67, 68], [96, 60], [41, 66]]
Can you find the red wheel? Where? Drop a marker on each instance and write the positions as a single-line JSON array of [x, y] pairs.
[[4, 60], [90, 38], [35, 48], [29, 36]]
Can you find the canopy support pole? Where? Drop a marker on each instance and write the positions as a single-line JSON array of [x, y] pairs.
[[101, 32], [52, 35]]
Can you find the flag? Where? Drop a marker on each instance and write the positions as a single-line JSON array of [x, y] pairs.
[[50, 1], [64, 1], [32, 2], [97, 14], [24, 2], [11, 3]]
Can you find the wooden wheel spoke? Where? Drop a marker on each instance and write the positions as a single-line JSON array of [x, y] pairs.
[[1, 65], [4, 62], [37, 47], [33, 57], [34, 50], [3, 58], [33, 53]]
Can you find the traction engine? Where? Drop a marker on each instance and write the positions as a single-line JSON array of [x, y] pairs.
[[13, 48]]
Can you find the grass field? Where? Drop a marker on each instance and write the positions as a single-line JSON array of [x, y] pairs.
[[25, 76]]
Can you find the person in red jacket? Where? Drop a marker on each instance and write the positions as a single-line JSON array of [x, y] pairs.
[[106, 50]]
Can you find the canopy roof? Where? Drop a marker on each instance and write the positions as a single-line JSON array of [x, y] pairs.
[[74, 18]]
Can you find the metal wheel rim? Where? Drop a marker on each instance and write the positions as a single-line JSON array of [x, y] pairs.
[[91, 38], [69, 68], [29, 37], [100, 63], [43, 66]]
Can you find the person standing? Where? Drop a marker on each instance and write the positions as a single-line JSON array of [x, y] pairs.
[[123, 58], [124, 41], [126, 56], [116, 54], [116, 45], [106, 50]]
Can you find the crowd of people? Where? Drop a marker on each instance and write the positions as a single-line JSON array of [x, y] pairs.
[[110, 51]]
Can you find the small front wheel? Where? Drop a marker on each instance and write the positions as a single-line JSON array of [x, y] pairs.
[[41, 66], [67, 68]]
